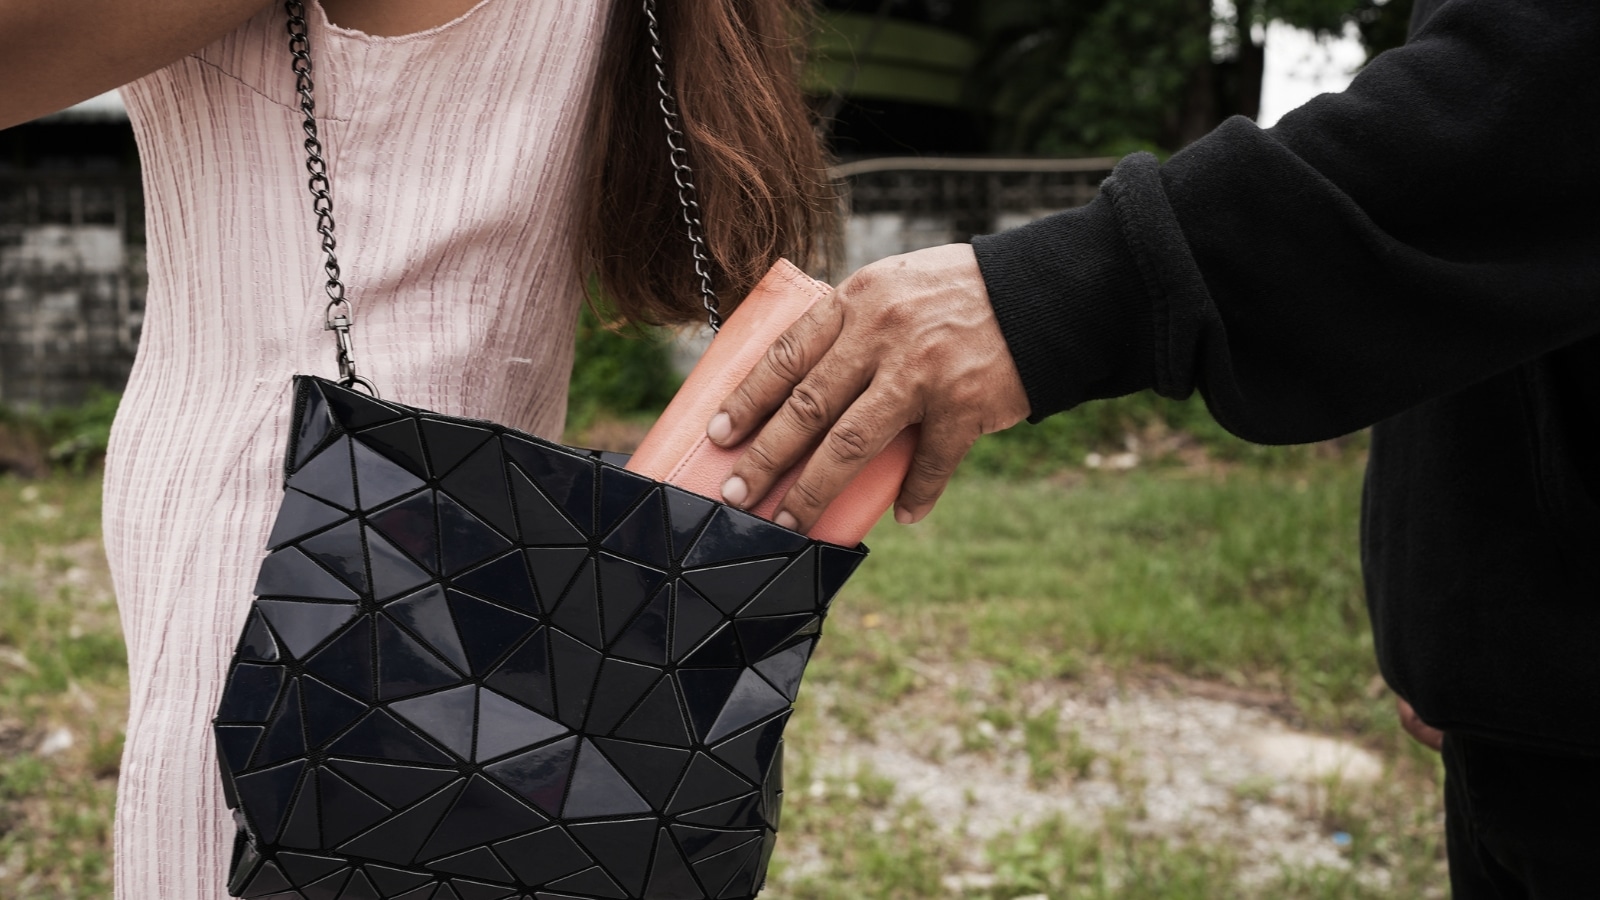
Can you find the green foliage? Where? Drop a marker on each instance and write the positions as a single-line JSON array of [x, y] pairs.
[[1133, 422], [1092, 77], [72, 437], [618, 371]]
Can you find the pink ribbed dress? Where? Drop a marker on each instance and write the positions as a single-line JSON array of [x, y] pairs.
[[454, 155]]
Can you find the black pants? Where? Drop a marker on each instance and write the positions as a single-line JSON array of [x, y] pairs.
[[1520, 824]]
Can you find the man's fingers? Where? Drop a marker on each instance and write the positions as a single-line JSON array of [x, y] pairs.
[[781, 370], [941, 447], [860, 434], [1421, 731], [804, 417]]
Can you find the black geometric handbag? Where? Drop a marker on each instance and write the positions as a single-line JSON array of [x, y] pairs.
[[482, 666]]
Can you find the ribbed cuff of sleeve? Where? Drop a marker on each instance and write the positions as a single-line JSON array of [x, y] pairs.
[[1073, 306]]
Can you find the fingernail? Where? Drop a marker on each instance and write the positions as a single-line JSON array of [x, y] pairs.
[[788, 521], [734, 491], [903, 515], [720, 429]]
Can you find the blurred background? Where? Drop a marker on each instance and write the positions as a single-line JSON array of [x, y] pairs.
[[1127, 657]]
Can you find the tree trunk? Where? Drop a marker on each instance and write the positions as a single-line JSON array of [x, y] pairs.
[[1251, 64]]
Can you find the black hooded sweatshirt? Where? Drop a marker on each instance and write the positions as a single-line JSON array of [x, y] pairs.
[[1420, 253]]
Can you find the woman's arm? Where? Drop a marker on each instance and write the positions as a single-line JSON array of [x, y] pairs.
[[54, 54]]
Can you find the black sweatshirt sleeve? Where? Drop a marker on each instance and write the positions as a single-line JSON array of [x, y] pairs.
[[1436, 223]]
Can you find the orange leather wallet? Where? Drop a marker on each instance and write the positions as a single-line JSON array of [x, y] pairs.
[[678, 452]]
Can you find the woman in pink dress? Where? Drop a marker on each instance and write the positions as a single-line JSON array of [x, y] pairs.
[[486, 157]]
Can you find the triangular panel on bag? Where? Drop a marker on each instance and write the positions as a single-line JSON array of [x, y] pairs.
[[290, 573], [346, 661], [302, 625], [504, 726], [479, 862], [412, 526], [477, 890], [686, 515], [625, 587], [257, 644], [658, 719], [539, 776], [747, 877], [592, 883], [836, 566], [379, 479], [670, 877], [346, 811], [699, 842], [578, 612], [269, 880], [235, 743], [445, 716], [398, 839], [524, 676], [568, 480], [265, 796], [693, 618], [480, 484], [642, 534], [464, 539], [304, 868], [339, 550], [752, 700], [449, 443], [598, 789], [620, 687], [360, 888], [576, 666], [784, 669], [646, 639], [400, 442], [354, 410], [302, 827], [706, 692], [395, 785], [542, 522], [329, 476], [620, 490], [327, 711], [718, 872], [793, 591], [484, 813], [722, 649], [487, 631], [617, 847], [427, 614], [743, 811], [503, 580], [406, 667], [393, 882], [707, 782], [285, 736], [762, 635], [393, 572], [751, 753], [731, 587], [381, 736], [312, 421], [298, 516], [654, 771], [732, 534], [543, 856], [553, 569], [250, 693]]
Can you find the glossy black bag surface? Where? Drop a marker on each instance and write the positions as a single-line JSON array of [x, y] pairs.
[[481, 666]]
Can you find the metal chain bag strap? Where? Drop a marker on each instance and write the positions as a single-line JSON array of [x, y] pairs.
[[483, 666]]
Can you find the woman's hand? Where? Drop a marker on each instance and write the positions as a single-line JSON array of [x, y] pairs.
[[1420, 731], [910, 339]]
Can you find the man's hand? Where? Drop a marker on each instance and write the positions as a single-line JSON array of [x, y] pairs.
[[909, 339], [1425, 734]]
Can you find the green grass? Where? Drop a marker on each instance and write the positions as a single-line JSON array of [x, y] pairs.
[[1251, 576]]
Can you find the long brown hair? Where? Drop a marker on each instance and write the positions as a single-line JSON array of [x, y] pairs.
[[759, 167]]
